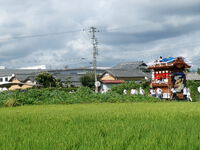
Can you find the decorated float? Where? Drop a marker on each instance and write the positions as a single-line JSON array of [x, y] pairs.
[[168, 73]]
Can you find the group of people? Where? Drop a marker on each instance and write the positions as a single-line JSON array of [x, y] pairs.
[[159, 93], [134, 91], [156, 93], [186, 94]]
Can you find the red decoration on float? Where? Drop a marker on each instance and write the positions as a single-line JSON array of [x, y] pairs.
[[161, 76]]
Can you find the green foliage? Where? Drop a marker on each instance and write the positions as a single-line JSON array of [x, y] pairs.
[[46, 79], [187, 70], [11, 103], [68, 82], [144, 84], [68, 96], [193, 85], [58, 83], [198, 70], [84, 91], [127, 85], [137, 126], [88, 80]]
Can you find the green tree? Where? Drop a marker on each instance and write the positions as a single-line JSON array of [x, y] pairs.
[[68, 82], [198, 70], [88, 80], [46, 79], [144, 84], [127, 85], [187, 70], [193, 85], [59, 83]]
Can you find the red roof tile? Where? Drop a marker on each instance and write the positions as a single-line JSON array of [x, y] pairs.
[[113, 81]]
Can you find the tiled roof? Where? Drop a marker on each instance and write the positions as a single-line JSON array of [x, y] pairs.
[[113, 81], [130, 65], [193, 76], [9, 72], [126, 73], [130, 69]]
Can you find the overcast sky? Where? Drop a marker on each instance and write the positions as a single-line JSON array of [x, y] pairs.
[[130, 30]]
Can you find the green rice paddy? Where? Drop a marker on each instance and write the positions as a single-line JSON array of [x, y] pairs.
[[106, 126]]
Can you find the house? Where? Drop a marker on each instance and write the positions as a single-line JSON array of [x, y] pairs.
[[73, 74], [132, 71], [13, 79], [25, 78]]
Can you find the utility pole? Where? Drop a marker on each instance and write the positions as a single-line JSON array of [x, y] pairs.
[[93, 30]]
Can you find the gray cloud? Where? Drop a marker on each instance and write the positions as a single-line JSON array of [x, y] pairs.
[[130, 30]]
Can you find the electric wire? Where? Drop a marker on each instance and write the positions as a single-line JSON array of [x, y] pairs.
[[38, 35]]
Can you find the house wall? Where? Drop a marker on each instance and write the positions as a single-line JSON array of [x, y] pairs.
[[17, 87], [15, 81], [26, 86], [107, 77], [14, 87], [5, 79], [106, 87]]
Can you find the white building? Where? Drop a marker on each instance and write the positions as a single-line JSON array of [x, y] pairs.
[[42, 67], [5, 79]]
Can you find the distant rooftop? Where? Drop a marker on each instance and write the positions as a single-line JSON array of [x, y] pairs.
[[2, 67], [35, 67], [193, 76], [130, 65]]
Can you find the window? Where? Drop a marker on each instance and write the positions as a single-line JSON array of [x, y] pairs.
[[1, 79], [6, 79]]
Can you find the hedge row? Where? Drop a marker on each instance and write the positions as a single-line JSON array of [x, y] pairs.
[[63, 96]]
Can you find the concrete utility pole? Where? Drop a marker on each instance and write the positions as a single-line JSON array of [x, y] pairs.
[[93, 30]]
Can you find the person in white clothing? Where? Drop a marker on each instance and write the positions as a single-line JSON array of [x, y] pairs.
[[198, 89], [159, 93], [173, 90], [189, 98], [136, 91], [125, 91], [141, 91], [185, 93], [133, 91], [153, 92]]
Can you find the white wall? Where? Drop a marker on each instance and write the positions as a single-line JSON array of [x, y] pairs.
[[5, 79], [106, 87]]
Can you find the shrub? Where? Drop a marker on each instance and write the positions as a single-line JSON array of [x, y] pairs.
[[128, 86], [46, 79], [11, 103], [88, 80], [63, 96], [193, 85]]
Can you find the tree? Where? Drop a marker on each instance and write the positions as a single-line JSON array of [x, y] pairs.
[[127, 85], [68, 82], [187, 70], [198, 70], [88, 80], [59, 83], [46, 79]]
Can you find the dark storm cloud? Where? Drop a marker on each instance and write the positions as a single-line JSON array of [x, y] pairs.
[[168, 31], [183, 9]]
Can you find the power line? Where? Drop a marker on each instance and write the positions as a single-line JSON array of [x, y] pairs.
[[39, 35]]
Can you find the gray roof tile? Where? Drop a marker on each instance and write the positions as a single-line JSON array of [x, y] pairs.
[[193, 76]]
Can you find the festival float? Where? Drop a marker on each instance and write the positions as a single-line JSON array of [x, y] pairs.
[[168, 73]]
